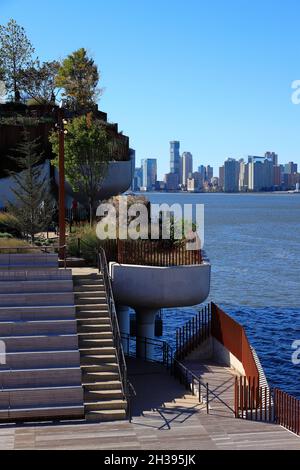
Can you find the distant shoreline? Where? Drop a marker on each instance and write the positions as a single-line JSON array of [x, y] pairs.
[[260, 193]]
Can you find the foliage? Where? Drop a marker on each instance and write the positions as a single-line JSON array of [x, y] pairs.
[[89, 243], [13, 243], [86, 156], [38, 81], [79, 77], [33, 206], [9, 224], [5, 235], [15, 55]]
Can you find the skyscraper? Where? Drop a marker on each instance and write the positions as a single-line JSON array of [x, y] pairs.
[[175, 158], [231, 175], [290, 168], [202, 171], [187, 167], [149, 166], [273, 156], [261, 173], [209, 173], [221, 177]]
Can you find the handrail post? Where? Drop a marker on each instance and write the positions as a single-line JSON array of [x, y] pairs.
[[207, 399]]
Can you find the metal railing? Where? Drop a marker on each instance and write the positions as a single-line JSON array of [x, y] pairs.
[[161, 352], [193, 333], [156, 253], [257, 403], [151, 349], [127, 387]]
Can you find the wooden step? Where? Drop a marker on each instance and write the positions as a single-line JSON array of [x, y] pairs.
[[87, 328], [42, 413], [98, 359], [100, 377], [94, 336], [81, 315], [105, 367], [102, 395], [105, 405], [105, 385], [105, 415], [96, 343]]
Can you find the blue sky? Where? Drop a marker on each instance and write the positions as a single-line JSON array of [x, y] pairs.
[[214, 74]]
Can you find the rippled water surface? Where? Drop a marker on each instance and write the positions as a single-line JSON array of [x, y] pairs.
[[253, 243]]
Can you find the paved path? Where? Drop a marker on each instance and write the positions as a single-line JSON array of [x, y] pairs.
[[165, 418], [221, 385]]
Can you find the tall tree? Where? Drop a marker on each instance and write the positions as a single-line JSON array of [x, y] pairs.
[[79, 77], [87, 154], [15, 55], [38, 81], [33, 205]]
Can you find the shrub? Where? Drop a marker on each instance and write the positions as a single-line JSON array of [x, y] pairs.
[[9, 224], [88, 243], [14, 243], [5, 235]]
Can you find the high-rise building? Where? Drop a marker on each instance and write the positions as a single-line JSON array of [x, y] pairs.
[[277, 175], [202, 171], [171, 181], [273, 156], [209, 173], [221, 177], [261, 173], [187, 167], [290, 168], [243, 176], [138, 179], [175, 158], [231, 175], [149, 166]]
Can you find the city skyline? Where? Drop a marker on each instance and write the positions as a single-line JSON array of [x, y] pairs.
[[213, 113], [252, 174]]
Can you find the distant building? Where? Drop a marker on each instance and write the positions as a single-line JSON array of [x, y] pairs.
[[187, 167], [290, 168], [202, 171], [231, 175], [172, 181], [160, 186], [209, 173], [261, 173], [272, 156], [138, 179], [278, 176], [221, 177], [243, 176], [175, 158], [149, 166]]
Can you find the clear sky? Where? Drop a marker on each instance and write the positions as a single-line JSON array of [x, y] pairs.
[[214, 74]]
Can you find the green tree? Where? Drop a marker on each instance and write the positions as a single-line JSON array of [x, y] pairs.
[[38, 81], [15, 55], [79, 77], [33, 205], [87, 154]]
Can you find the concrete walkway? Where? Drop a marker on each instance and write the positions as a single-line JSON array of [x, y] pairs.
[[164, 418], [220, 381]]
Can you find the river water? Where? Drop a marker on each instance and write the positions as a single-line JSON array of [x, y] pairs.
[[253, 243]]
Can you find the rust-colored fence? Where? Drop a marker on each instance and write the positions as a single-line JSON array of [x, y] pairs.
[[234, 338], [193, 333], [254, 402], [156, 253]]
